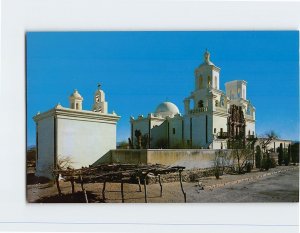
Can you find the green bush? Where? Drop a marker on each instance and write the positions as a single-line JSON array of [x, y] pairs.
[[258, 157], [280, 154], [295, 152], [266, 162], [286, 159], [248, 167]]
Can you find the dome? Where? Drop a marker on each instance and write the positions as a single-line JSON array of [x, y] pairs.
[[167, 109], [76, 95]]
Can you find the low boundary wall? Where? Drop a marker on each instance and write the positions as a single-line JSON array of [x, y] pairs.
[[189, 158]]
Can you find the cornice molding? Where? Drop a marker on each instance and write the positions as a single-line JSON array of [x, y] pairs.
[[77, 114]]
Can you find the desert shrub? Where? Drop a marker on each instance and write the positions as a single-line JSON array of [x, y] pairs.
[[161, 143], [286, 159], [123, 145], [280, 154], [273, 163], [258, 157], [295, 152], [194, 177], [181, 145], [248, 167], [266, 162]]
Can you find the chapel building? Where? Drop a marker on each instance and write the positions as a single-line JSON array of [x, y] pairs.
[[73, 134], [212, 118]]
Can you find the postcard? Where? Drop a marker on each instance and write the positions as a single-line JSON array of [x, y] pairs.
[[162, 116]]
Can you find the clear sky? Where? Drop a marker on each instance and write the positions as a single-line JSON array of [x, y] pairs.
[[139, 70]]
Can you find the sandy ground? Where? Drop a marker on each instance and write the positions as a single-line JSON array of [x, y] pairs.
[[279, 184]]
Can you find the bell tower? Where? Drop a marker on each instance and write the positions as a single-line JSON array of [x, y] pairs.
[[76, 100], [207, 74], [100, 105]]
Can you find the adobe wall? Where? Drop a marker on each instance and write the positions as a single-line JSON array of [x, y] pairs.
[[189, 158]]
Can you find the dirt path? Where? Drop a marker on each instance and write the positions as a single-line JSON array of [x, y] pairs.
[[280, 184]]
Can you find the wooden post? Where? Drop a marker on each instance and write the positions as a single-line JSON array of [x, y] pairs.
[[57, 185], [180, 179], [103, 190], [83, 190], [139, 182], [122, 191], [145, 188], [160, 185]]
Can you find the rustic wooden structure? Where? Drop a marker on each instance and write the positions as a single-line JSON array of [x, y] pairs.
[[116, 173]]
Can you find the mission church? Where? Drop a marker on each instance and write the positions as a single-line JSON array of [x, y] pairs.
[[212, 118]]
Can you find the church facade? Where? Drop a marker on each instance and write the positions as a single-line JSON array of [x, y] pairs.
[[212, 118], [73, 134]]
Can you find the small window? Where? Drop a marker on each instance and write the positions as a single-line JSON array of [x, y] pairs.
[[216, 103], [200, 104], [215, 130], [221, 130], [200, 82], [249, 132], [77, 106], [173, 130]]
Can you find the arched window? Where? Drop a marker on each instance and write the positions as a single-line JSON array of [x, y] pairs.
[[239, 93], [200, 82], [217, 103], [222, 101], [208, 81], [200, 104]]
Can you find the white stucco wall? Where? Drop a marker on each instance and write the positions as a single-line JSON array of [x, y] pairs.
[[250, 126], [218, 123], [175, 137], [219, 144], [84, 141], [45, 144], [83, 136], [198, 130], [142, 125], [159, 132], [215, 74], [274, 144]]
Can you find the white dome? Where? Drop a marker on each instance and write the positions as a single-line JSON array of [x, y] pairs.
[[76, 95], [167, 109]]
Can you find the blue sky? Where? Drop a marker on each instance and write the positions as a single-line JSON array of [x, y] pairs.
[[139, 70]]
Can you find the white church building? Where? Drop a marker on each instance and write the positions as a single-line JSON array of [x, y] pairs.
[[81, 136], [211, 116]]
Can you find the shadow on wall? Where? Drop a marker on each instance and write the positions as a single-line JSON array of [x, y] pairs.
[[106, 158]]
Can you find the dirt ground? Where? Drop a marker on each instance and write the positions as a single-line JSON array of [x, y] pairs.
[[280, 184]]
